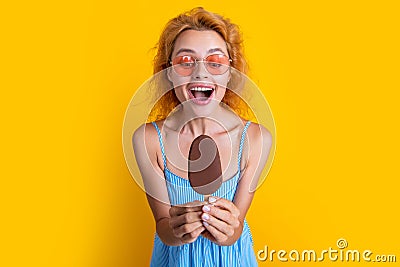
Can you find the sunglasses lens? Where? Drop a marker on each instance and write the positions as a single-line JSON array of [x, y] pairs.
[[184, 65], [216, 64]]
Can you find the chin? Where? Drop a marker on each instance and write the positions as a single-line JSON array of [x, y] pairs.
[[205, 110]]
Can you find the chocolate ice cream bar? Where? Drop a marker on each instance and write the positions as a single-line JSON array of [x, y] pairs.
[[204, 166]]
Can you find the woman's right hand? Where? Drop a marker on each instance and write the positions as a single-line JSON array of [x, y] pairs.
[[185, 221]]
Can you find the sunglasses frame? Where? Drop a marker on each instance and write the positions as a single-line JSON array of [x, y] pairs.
[[196, 62]]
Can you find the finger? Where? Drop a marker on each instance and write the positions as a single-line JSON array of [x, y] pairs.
[[179, 210], [208, 235], [217, 235], [226, 205], [186, 229], [185, 218], [192, 236], [223, 215], [195, 203], [219, 225]]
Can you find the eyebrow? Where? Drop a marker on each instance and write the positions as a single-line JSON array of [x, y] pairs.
[[187, 50], [212, 50]]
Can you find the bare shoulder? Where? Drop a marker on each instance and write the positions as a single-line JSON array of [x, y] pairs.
[[143, 131], [259, 135], [144, 137]]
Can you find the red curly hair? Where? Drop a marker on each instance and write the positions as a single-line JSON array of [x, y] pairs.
[[201, 20]]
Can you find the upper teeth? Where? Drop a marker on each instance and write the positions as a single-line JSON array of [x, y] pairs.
[[201, 89]]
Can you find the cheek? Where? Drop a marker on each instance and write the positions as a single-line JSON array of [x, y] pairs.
[[222, 83], [223, 80], [176, 79], [220, 93], [180, 93]]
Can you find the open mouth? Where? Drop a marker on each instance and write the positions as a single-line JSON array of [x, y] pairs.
[[201, 94]]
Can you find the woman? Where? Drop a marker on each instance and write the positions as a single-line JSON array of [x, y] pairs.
[[198, 52]]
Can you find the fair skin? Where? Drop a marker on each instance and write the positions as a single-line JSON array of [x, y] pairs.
[[222, 220]]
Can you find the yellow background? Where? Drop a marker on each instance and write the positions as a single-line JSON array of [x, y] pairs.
[[329, 69]]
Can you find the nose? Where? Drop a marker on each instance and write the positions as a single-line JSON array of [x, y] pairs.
[[200, 71]]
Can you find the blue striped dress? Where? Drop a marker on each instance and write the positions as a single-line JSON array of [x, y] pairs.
[[202, 252]]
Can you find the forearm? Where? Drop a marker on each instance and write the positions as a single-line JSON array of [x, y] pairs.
[[166, 234]]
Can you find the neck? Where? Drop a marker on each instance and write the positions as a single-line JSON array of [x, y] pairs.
[[201, 125], [187, 122]]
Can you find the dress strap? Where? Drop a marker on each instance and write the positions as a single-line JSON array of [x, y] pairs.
[[161, 143], [240, 146], [242, 142]]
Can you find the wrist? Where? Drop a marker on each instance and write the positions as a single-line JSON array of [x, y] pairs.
[[165, 233]]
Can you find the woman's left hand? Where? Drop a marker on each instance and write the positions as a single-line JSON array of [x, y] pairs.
[[221, 220]]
